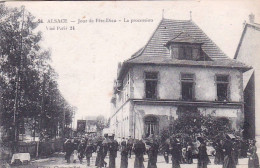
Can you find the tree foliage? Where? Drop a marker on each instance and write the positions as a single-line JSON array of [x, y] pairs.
[[101, 123], [195, 124], [28, 82]]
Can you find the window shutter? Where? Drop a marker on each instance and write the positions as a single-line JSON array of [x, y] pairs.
[[229, 88], [188, 54], [181, 53]]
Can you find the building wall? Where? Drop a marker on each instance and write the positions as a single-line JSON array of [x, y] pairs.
[[233, 114], [127, 119], [249, 53], [165, 113], [123, 93], [120, 121], [169, 86], [249, 94]]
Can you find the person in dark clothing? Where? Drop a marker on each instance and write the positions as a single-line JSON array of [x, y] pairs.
[[180, 149], [124, 155], [81, 150], [152, 154], [123, 141], [100, 153], [235, 151], [113, 148], [203, 158], [253, 161], [68, 148], [130, 143], [88, 151], [244, 149], [139, 150], [219, 156], [229, 161], [189, 154], [176, 154], [105, 145], [166, 150]]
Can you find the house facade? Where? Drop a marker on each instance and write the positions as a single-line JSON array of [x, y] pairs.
[[248, 52], [179, 71]]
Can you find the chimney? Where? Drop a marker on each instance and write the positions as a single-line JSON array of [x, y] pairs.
[[251, 18]]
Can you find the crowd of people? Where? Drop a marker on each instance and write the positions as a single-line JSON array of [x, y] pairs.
[[227, 151]]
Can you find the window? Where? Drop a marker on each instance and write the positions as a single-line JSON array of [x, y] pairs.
[[222, 87], [151, 80], [185, 53], [151, 126], [188, 53], [187, 89]]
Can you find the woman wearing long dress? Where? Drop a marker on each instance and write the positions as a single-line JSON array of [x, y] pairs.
[[152, 154], [124, 155], [229, 159], [219, 157], [139, 150], [189, 154], [253, 161], [203, 158], [100, 152], [176, 154]]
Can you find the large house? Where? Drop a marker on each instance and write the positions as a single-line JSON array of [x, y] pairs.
[[180, 70], [248, 51]]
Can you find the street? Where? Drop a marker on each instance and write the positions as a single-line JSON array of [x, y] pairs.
[[59, 162]]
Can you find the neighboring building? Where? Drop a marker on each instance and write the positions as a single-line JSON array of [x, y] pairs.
[[180, 70], [91, 124], [81, 126], [248, 52]]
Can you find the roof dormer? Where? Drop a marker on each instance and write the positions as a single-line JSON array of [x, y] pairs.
[[185, 47]]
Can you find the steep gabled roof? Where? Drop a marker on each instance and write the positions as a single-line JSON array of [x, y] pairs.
[[255, 26], [156, 52], [168, 29]]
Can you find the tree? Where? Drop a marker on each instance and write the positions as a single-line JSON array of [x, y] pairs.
[[29, 87], [100, 123], [196, 124]]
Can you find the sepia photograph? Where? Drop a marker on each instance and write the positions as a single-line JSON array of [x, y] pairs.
[[133, 84]]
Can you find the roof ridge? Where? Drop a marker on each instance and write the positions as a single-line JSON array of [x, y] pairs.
[[242, 36], [254, 25], [176, 19], [240, 41], [210, 40]]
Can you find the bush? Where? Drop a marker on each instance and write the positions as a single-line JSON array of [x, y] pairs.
[[192, 125]]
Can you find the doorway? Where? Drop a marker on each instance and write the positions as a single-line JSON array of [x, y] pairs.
[[151, 125]]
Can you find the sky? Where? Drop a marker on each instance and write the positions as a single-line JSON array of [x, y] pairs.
[[86, 58]]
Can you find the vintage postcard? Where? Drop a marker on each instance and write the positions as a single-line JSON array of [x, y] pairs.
[[129, 84]]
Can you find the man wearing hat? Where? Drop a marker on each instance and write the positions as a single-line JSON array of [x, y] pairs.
[[229, 159], [89, 150], [139, 150], [81, 150], [105, 145], [253, 161], [175, 152], [113, 147], [130, 144], [203, 158]]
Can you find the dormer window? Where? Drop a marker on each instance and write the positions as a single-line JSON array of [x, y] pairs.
[[185, 52], [184, 47]]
